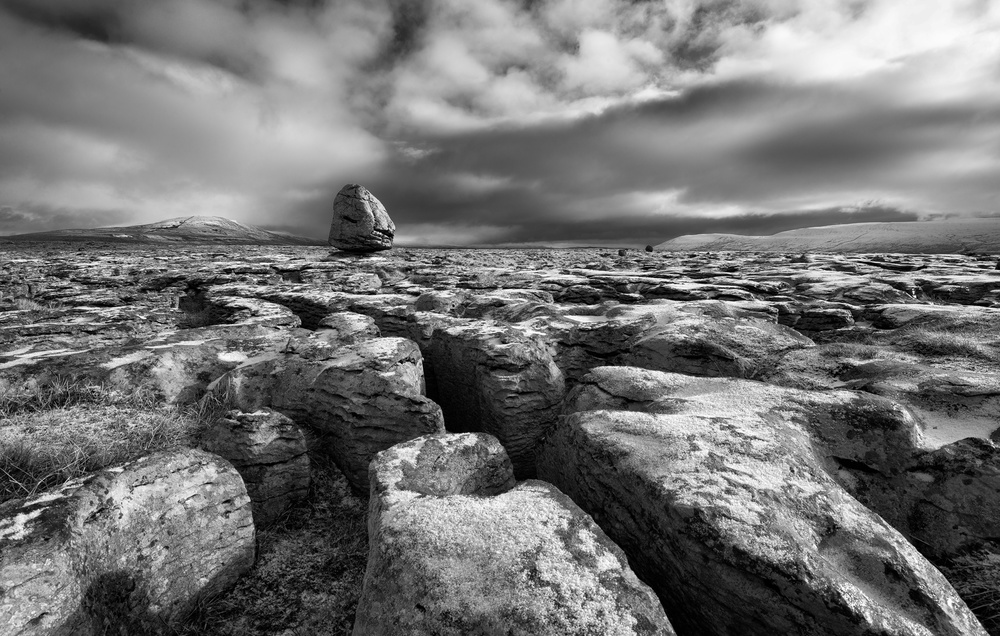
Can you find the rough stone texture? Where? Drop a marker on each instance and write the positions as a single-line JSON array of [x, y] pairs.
[[718, 492], [457, 548], [269, 451], [824, 319], [349, 326], [947, 500], [714, 346], [128, 550], [496, 380], [360, 222], [360, 398]]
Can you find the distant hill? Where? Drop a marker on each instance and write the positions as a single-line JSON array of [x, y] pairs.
[[954, 236], [183, 229]]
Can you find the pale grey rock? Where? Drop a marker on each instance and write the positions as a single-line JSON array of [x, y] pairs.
[[349, 327], [269, 451], [718, 490], [714, 346], [129, 550], [360, 221], [498, 380], [456, 547], [362, 283], [360, 398]]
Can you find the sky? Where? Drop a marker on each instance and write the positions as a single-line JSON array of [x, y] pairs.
[[591, 122]]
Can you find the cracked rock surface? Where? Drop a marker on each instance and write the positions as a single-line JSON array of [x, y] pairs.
[[131, 547], [457, 547], [719, 494], [894, 357]]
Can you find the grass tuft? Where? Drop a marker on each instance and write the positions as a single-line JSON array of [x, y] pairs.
[[309, 570], [939, 342], [976, 578], [66, 429]]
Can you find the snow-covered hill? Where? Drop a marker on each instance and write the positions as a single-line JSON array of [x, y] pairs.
[[185, 229], [952, 236]]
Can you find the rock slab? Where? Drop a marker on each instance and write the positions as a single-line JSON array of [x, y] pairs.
[[360, 399], [269, 451], [129, 550], [456, 547], [360, 221], [717, 491]]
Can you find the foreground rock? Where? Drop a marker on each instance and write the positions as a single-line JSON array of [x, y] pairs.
[[126, 551], [716, 490], [457, 548], [269, 451], [500, 381], [360, 398], [360, 222]]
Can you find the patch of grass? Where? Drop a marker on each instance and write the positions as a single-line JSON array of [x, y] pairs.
[[976, 578], [66, 429], [309, 570], [939, 342], [27, 304], [855, 350]]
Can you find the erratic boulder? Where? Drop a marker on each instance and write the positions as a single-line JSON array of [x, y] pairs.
[[719, 491], [129, 550], [360, 222], [456, 547]]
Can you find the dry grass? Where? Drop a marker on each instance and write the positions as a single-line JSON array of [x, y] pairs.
[[27, 304], [66, 429], [309, 570], [853, 350], [976, 578], [941, 342]]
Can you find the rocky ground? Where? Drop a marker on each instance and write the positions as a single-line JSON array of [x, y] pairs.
[[774, 443]]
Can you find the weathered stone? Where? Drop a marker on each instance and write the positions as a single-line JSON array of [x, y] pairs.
[[360, 222], [496, 380], [362, 283], [349, 326], [709, 346], [824, 319], [269, 451], [720, 495], [128, 550], [457, 548], [947, 500], [360, 398]]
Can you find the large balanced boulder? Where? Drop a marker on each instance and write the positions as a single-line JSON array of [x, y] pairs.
[[718, 491], [360, 222], [129, 550], [456, 547]]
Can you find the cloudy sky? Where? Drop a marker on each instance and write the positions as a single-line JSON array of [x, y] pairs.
[[500, 121]]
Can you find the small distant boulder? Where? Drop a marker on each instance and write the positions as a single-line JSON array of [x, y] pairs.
[[649, 248], [360, 222]]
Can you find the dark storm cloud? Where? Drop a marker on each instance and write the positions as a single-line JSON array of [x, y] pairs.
[[98, 20], [645, 230], [42, 218], [714, 145], [500, 120], [165, 26]]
